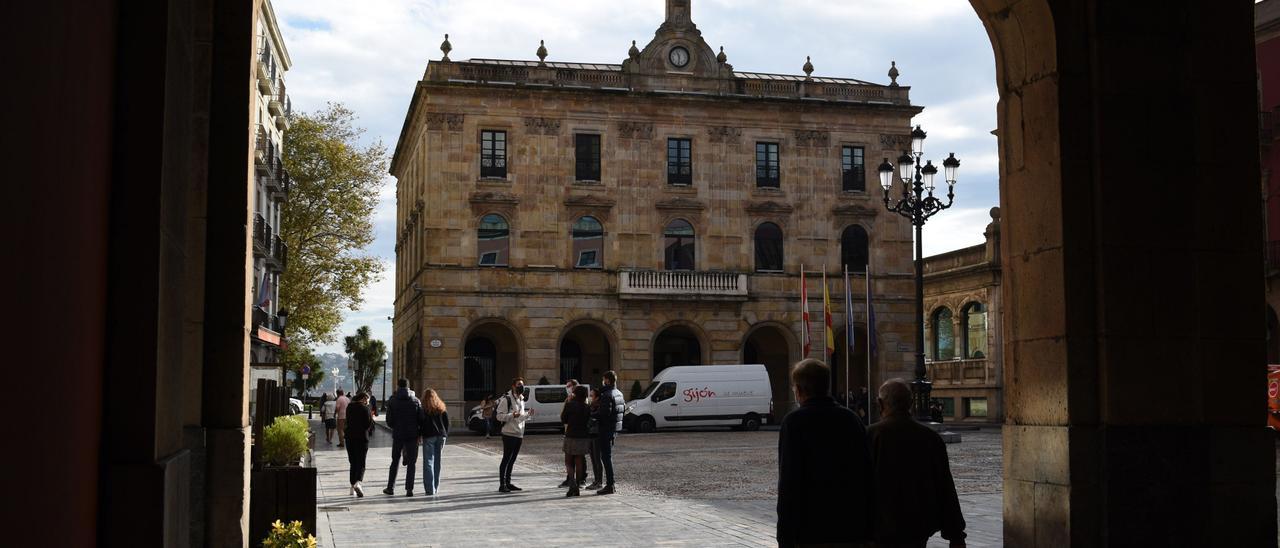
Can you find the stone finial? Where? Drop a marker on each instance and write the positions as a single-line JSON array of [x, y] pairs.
[[446, 47], [542, 53], [634, 52], [808, 67], [893, 74], [721, 58]]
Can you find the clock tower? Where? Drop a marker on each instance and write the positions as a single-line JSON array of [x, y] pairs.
[[678, 11]]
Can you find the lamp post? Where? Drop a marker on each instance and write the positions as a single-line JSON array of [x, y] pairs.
[[917, 204]]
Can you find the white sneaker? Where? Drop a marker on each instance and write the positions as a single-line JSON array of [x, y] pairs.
[[358, 489]]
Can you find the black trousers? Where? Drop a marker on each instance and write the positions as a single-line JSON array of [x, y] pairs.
[[596, 465], [510, 450], [408, 450], [357, 450], [605, 442]]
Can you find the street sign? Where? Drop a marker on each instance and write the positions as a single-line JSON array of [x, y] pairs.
[[306, 370]]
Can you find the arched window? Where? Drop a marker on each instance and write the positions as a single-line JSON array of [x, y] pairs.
[[853, 248], [588, 243], [974, 324], [944, 337], [768, 248], [679, 252], [494, 241]]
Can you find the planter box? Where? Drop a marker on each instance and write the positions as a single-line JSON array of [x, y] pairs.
[[284, 493]]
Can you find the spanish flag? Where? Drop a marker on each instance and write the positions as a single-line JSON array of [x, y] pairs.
[[826, 314]]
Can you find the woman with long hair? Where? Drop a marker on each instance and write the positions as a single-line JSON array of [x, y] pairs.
[[359, 426], [575, 417], [434, 431]]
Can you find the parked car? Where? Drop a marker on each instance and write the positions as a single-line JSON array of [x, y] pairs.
[[737, 396], [295, 406], [544, 400]]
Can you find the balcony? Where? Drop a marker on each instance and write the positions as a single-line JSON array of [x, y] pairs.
[[261, 237], [664, 284], [279, 256], [956, 373], [264, 151], [282, 120], [282, 183], [272, 178]]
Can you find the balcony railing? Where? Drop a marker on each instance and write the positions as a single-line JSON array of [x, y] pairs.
[[280, 253], [662, 284], [971, 372], [265, 152], [262, 237]]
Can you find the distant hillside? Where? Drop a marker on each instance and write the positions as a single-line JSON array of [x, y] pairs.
[[330, 361]]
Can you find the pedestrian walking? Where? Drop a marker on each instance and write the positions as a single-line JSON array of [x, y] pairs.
[[915, 493], [359, 428], [404, 417], [328, 414], [593, 449], [486, 414], [608, 416], [824, 482], [435, 429], [512, 414], [568, 389], [340, 412], [575, 415]]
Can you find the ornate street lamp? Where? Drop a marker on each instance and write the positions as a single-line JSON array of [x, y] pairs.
[[917, 204]]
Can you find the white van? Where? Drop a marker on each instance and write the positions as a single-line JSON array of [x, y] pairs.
[[703, 395], [544, 400]]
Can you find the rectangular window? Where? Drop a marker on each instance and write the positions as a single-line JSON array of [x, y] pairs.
[[679, 162], [852, 170], [767, 165], [493, 154], [975, 407], [587, 157]]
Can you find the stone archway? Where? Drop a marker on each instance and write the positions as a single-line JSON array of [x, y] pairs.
[[586, 352], [677, 344], [1085, 87], [773, 346], [492, 356]]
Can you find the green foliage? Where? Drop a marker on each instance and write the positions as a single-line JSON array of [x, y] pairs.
[[328, 221], [636, 390], [367, 356], [288, 536], [285, 440], [297, 356]]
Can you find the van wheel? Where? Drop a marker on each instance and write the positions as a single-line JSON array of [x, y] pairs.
[[645, 425], [751, 423]]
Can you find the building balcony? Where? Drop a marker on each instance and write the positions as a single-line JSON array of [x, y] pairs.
[[672, 284], [282, 184], [962, 373], [264, 151], [279, 256], [261, 237]]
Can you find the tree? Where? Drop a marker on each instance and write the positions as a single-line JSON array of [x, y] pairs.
[[294, 358], [328, 221], [366, 354]]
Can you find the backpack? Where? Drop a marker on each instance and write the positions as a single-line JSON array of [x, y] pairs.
[[506, 398]]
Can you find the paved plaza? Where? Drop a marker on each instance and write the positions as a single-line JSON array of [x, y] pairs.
[[682, 488]]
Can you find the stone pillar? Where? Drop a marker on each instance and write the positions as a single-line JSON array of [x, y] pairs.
[[226, 328], [1125, 424]]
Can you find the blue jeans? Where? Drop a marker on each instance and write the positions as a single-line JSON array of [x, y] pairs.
[[431, 449], [606, 454]]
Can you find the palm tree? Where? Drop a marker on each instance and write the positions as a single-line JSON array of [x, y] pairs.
[[366, 354]]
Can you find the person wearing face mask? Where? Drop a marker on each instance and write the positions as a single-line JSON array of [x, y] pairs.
[[569, 386], [512, 414]]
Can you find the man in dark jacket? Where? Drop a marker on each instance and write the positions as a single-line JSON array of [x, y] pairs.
[[824, 470], [608, 417], [404, 417], [915, 494], [359, 426]]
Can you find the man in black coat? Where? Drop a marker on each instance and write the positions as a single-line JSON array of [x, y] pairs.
[[824, 470], [404, 417], [915, 494]]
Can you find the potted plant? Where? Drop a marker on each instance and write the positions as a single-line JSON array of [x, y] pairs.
[[282, 489], [289, 536]]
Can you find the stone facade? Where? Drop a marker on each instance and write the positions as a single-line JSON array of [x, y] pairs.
[[962, 302], [467, 329]]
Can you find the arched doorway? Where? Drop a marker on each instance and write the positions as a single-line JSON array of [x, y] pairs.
[[585, 354], [491, 358], [676, 345], [769, 345]]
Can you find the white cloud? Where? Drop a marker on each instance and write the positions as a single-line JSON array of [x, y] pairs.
[[955, 228]]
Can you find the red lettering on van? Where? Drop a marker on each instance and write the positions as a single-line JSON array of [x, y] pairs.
[[694, 394]]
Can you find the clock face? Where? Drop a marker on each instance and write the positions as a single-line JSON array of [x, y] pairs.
[[679, 56]]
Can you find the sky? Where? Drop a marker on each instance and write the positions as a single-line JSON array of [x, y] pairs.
[[370, 54]]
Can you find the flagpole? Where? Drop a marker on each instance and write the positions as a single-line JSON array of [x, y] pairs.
[[848, 345], [870, 345], [804, 315]]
